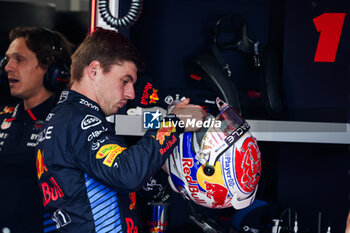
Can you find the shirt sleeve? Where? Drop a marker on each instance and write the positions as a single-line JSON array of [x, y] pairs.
[[103, 155]]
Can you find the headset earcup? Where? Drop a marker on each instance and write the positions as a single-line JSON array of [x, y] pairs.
[[56, 77]]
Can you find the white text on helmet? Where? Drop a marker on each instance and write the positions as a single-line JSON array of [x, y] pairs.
[[237, 134]]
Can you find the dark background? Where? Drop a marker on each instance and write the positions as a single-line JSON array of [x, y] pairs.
[[310, 178]]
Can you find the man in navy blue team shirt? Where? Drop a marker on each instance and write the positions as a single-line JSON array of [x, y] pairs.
[[26, 62], [87, 174]]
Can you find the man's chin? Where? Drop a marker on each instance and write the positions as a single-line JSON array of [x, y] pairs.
[[15, 94], [116, 111], [111, 113]]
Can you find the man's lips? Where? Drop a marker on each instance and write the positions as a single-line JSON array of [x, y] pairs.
[[122, 104], [13, 80]]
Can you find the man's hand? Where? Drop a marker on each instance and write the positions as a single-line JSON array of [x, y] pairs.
[[186, 111]]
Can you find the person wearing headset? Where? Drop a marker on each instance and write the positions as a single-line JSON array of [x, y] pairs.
[[87, 174], [36, 65]]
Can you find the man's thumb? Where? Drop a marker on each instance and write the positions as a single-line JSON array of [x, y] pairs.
[[185, 101]]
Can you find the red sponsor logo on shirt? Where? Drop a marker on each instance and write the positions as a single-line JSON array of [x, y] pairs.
[[154, 97], [40, 166], [168, 145], [130, 226], [165, 130], [132, 200], [7, 110], [145, 94], [51, 191]]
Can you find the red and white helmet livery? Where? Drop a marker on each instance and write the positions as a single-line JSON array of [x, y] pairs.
[[217, 167]]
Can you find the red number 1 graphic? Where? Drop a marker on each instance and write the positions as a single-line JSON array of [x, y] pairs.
[[330, 25]]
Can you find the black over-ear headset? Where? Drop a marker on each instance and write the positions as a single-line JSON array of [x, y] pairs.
[[211, 66], [57, 72]]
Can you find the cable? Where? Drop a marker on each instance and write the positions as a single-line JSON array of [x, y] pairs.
[[126, 21], [296, 223], [289, 228], [319, 222]]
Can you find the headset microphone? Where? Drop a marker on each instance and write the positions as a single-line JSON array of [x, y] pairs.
[[3, 74]]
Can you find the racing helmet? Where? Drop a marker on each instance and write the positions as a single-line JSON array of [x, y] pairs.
[[219, 166]]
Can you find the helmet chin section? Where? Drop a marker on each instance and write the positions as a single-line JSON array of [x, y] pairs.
[[172, 184], [240, 204]]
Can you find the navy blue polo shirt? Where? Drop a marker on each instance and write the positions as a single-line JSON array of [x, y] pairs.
[[20, 198]]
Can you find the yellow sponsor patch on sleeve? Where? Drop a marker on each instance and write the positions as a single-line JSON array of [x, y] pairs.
[[105, 150], [109, 152], [112, 155]]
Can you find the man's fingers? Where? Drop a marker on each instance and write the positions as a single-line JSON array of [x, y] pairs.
[[185, 101]]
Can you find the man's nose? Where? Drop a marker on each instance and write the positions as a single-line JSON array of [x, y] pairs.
[[130, 92], [9, 66]]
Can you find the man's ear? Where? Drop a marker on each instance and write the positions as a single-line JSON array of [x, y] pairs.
[[93, 69]]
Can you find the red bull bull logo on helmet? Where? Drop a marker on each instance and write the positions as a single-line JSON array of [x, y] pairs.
[[248, 165], [214, 187], [217, 192]]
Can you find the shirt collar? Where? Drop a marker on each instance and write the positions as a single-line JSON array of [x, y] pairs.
[[38, 112], [75, 97]]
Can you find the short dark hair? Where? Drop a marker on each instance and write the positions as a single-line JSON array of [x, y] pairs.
[[109, 47], [40, 42]]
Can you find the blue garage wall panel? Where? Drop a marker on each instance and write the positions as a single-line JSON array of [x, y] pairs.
[[170, 32], [315, 91], [314, 178]]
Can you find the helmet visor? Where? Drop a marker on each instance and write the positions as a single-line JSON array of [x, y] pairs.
[[227, 123]]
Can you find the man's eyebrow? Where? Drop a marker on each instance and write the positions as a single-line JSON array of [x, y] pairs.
[[14, 55], [130, 77]]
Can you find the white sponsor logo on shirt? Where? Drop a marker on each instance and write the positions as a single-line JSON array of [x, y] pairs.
[[89, 121]]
